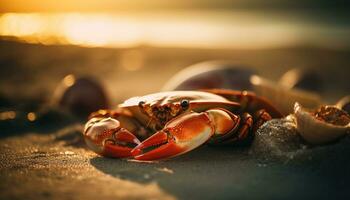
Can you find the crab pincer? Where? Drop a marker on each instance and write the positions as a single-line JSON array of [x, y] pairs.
[[106, 137], [185, 133]]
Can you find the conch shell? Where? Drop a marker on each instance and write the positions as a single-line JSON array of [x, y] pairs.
[[325, 125]]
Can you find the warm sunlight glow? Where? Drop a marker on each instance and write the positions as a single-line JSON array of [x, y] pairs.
[[98, 30], [31, 116], [208, 30], [7, 115], [21, 25], [69, 80]]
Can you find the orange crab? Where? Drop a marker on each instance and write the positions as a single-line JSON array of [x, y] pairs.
[[173, 123]]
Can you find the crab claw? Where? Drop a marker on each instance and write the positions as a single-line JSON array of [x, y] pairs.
[[178, 136], [105, 137]]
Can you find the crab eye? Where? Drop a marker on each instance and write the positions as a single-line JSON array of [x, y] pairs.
[[185, 104], [141, 103]]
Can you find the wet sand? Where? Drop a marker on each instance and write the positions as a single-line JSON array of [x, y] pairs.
[[47, 159]]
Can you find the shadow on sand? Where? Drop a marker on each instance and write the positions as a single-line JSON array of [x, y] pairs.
[[204, 173], [227, 173]]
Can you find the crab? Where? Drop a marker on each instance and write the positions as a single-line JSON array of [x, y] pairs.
[[175, 122]]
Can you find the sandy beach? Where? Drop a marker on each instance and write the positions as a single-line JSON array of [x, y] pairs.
[[47, 158]]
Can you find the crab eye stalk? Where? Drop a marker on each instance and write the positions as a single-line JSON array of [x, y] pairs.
[[185, 104], [141, 104]]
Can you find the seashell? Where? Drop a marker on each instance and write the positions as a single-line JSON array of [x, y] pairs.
[[305, 79], [316, 131], [344, 104], [282, 97], [80, 96], [211, 74]]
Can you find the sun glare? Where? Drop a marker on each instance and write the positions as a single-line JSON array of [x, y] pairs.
[[208, 30]]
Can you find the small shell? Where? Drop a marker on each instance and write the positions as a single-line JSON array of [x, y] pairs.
[[316, 131], [80, 96], [344, 104], [211, 74], [284, 98], [304, 79]]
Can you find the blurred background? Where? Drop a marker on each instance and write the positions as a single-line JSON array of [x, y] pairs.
[[88, 53], [135, 47]]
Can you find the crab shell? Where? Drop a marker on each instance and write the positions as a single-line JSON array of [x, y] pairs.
[[316, 131], [198, 102]]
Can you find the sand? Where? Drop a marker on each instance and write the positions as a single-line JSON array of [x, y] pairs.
[[47, 159], [58, 166]]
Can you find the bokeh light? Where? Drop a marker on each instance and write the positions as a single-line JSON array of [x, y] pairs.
[[207, 29]]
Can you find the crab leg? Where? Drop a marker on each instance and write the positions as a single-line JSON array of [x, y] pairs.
[[184, 133], [260, 117]]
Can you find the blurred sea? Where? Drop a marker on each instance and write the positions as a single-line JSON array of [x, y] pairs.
[[243, 29], [134, 53]]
